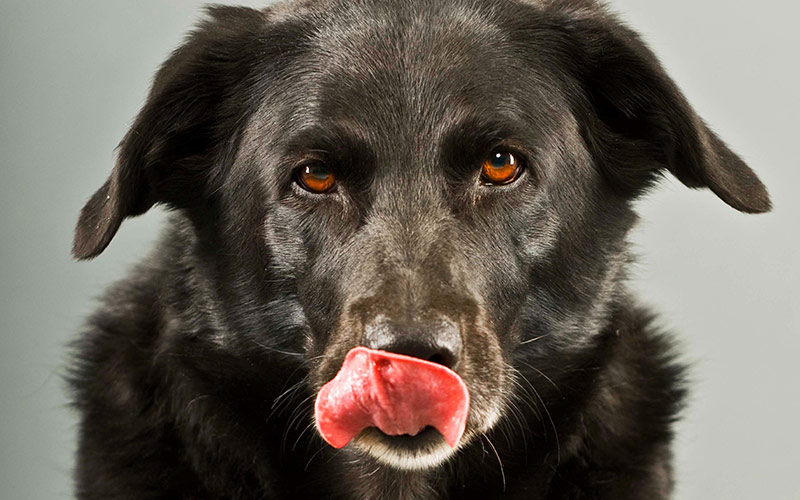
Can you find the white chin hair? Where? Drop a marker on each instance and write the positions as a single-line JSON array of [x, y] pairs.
[[427, 457], [424, 457]]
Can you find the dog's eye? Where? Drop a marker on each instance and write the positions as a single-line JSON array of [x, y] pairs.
[[315, 177], [500, 167]]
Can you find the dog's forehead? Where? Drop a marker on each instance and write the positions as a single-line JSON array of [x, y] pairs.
[[404, 84], [406, 33], [410, 69]]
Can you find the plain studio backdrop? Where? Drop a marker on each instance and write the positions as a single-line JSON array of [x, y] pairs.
[[74, 74]]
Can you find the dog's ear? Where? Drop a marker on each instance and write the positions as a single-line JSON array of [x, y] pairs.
[[169, 153], [643, 124]]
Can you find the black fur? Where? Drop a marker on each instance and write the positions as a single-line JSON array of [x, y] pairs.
[[196, 377]]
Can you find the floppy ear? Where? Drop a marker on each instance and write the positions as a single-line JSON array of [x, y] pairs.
[[169, 154], [643, 123]]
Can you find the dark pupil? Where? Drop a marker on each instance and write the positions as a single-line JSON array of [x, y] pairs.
[[500, 160], [318, 171]]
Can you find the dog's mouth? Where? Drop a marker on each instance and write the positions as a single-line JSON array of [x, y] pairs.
[[426, 449], [426, 438], [404, 410]]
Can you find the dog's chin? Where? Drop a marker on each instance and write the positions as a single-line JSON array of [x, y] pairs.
[[426, 450]]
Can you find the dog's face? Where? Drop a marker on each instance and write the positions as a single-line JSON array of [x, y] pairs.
[[449, 180]]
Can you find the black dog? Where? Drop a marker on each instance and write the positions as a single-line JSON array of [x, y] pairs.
[[448, 179]]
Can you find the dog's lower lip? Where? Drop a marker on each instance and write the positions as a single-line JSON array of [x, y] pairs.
[[426, 437]]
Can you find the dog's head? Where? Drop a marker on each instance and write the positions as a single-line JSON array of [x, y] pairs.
[[449, 180]]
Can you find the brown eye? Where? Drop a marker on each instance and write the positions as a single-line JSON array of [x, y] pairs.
[[500, 168], [316, 178]]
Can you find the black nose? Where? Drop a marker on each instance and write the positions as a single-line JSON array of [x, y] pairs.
[[438, 341]]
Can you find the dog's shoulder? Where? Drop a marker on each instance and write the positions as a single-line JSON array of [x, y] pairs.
[[125, 442], [621, 447], [122, 333]]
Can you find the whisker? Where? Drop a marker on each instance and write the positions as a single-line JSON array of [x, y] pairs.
[[529, 341], [295, 417], [373, 472], [198, 398], [552, 423], [283, 401], [299, 436], [272, 349], [540, 372], [502, 469], [529, 401], [516, 413], [544, 405], [277, 401], [313, 456]]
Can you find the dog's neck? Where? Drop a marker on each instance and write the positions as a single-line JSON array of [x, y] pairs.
[[364, 480]]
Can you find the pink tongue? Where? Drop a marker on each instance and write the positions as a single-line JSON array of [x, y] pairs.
[[397, 394]]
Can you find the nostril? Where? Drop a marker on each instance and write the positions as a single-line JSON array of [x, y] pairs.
[[439, 359], [443, 358], [422, 350], [438, 342]]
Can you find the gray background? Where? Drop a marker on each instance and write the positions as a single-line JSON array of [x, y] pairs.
[[73, 74]]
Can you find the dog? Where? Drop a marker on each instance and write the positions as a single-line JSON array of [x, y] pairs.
[[446, 183]]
